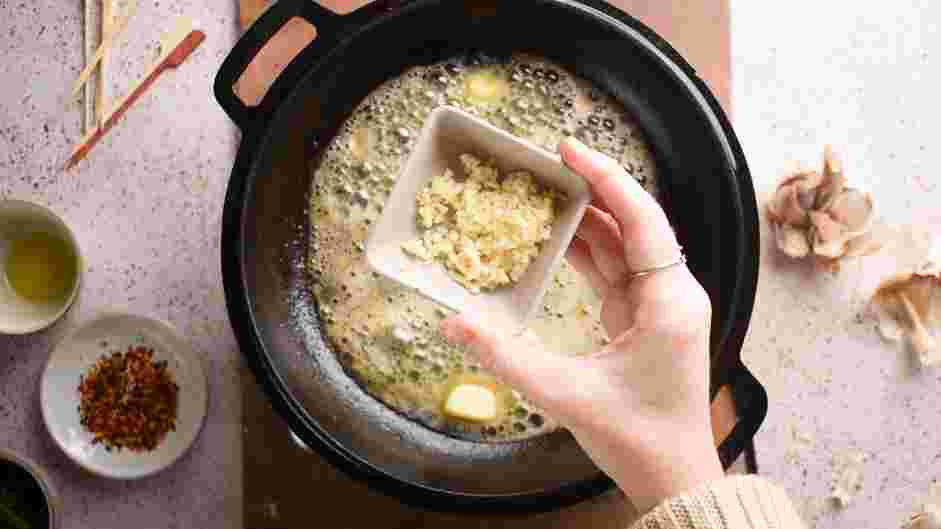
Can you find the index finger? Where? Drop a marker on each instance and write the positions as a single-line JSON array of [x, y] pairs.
[[648, 237]]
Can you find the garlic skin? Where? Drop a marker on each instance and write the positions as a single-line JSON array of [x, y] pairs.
[[848, 479], [792, 241], [928, 518], [819, 214], [908, 307]]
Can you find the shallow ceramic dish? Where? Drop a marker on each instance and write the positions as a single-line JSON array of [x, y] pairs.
[[447, 134], [78, 353], [20, 219]]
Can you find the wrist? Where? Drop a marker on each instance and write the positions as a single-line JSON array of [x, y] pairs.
[[677, 463], [653, 462]]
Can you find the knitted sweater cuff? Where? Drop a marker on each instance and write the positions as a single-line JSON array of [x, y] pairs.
[[736, 502]]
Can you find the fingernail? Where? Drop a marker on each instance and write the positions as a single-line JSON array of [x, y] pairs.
[[587, 157], [577, 146]]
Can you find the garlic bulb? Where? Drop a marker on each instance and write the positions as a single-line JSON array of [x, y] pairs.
[[818, 213]]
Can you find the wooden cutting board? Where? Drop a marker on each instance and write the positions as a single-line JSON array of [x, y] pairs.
[[250, 10]]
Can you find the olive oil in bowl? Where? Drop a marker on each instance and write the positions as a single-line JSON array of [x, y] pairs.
[[41, 268]]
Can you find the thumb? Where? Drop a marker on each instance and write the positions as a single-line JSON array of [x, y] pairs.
[[520, 360]]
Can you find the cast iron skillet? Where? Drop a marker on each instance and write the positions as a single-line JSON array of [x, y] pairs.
[[708, 196]]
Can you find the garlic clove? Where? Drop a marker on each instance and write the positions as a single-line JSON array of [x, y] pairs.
[[853, 209], [806, 182], [792, 241], [785, 206], [869, 242], [833, 181], [829, 237]]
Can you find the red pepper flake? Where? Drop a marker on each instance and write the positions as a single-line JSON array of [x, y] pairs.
[[128, 401]]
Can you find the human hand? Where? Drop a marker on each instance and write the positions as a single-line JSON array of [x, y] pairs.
[[640, 406]]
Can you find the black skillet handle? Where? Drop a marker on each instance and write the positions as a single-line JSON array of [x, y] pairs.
[[751, 406], [330, 29]]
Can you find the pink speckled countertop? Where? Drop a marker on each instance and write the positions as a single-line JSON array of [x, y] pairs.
[[146, 208], [863, 76]]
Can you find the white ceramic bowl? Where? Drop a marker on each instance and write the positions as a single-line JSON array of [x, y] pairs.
[[18, 219], [78, 352], [447, 133]]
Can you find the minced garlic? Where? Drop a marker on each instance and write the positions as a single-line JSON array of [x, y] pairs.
[[485, 230]]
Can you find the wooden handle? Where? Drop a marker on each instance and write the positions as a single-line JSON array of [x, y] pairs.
[[723, 415]]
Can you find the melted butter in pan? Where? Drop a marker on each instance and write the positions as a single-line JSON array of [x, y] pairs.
[[385, 335]]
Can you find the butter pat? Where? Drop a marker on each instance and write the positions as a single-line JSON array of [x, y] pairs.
[[471, 402], [486, 87]]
